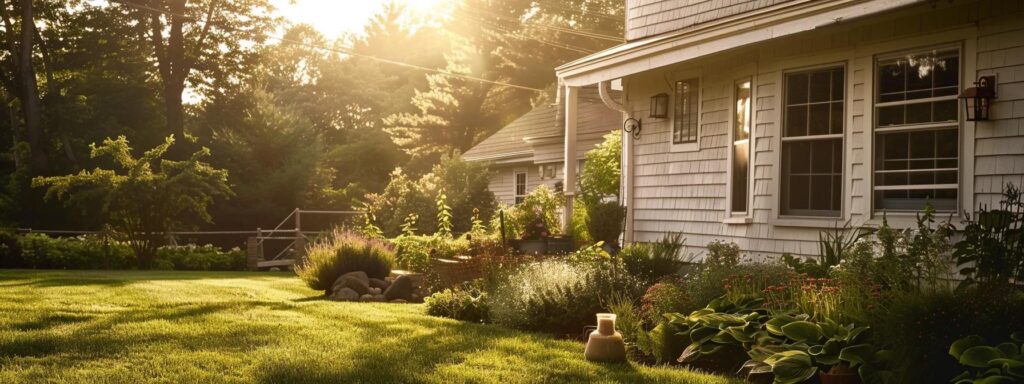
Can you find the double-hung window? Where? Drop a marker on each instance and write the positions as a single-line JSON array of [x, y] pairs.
[[684, 119], [917, 130], [812, 143], [741, 147], [520, 186]]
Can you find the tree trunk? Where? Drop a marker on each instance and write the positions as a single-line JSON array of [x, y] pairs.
[[29, 92], [53, 93]]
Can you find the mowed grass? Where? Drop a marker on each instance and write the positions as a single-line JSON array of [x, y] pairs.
[[199, 327]]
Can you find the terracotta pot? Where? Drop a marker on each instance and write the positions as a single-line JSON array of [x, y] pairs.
[[839, 378]]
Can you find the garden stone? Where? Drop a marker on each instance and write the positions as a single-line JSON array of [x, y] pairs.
[[351, 282], [375, 291], [366, 297], [359, 275], [378, 297], [379, 284], [400, 289], [346, 294]]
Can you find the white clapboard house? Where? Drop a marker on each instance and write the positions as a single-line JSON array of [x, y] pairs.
[[763, 121], [529, 152]]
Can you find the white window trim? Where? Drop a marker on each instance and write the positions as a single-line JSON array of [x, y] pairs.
[[964, 41], [779, 218], [691, 146], [747, 216], [526, 185]]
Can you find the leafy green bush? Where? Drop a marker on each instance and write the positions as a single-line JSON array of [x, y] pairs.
[[652, 261], [919, 327], [10, 251], [414, 252], [557, 296], [604, 221], [540, 205], [84, 252], [467, 303], [722, 256], [1003, 363], [992, 251], [342, 252], [201, 258]]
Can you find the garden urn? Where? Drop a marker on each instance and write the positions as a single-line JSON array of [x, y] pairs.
[[605, 344]]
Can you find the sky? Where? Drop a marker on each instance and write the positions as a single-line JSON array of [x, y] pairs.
[[336, 17]]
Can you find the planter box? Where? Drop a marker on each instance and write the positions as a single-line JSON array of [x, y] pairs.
[[560, 245], [532, 247], [545, 246]]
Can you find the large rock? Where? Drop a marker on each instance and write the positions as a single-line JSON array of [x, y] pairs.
[[361, 276], [400, 289], [351, 282], [346, 294], [379, 284]]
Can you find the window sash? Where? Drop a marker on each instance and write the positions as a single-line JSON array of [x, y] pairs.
[[685, 115], [740, 195], [519, 180], [948, 91]]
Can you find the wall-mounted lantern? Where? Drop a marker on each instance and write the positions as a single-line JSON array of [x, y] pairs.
[[978, 99], [659, 106]]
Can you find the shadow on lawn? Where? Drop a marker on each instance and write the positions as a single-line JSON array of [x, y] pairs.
[[442, 348], [96, 337]]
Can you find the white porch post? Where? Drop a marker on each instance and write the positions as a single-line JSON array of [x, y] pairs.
[[571, 100]]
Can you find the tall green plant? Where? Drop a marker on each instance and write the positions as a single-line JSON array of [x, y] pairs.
[[444, 216], [143, 197], [992, 250]]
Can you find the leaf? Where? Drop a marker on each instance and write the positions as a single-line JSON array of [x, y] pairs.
[[958, 347], [690, 354], [702, 335], [1010, 350], [793, 368], [1017, 336], [979, 356], [857, 354], [774, 326], [802, 331]]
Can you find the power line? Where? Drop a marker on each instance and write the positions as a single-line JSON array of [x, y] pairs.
[[342, 51], [581, 12]]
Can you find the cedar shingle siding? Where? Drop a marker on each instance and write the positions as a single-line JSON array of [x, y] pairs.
[[653, 17]]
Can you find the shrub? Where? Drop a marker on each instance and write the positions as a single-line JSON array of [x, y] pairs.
[[919, 328], [84, 252], [201, 258], [604, 221], [414, 252], [722, 256], [992, 251], [10, 251], [540, 205], [342, 252], [467, 303], [556, 296], [667, 296], [651, 261]]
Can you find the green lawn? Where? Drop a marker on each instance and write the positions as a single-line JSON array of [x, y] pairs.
[[181, 327]]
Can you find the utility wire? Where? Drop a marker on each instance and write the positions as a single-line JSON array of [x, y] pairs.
[[341, 51]]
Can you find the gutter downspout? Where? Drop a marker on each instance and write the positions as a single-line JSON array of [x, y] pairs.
[[626, 187]]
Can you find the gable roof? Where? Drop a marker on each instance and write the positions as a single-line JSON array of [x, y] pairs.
[[523, 138]]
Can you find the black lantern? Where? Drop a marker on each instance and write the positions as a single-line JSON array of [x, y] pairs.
[[978, 99], [659, 106]]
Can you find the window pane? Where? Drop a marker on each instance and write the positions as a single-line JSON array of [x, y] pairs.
[[796, 121], [812, 177], [888, 116], [890, 79], [684, 129], [821, 86], [819, 119], [796, 88], [945, 110], [948, 74], [739, 177], [837, 84], [837, 118], [741, 148], [742, 112]]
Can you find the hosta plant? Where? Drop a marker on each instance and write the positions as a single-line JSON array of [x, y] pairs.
[[985, 364]]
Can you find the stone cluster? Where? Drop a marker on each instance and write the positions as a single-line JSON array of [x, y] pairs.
[[399, 287]]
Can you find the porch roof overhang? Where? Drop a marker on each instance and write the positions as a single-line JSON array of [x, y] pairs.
[[505, 157], [709, 38]]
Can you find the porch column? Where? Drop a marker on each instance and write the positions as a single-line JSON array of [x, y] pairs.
[[569, 187]]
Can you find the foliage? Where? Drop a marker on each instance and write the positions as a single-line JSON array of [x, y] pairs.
[[415, 252], [557, 296], [341, 252], [540, 205], [834, 245], [40, 251], [202, 258], [919, 327], [992, 250], [10, 251], [722, 256], [442, 200], [1003, 363], [599, 178], [144, 197], [466, 303], [604, 221], [652, 261], [666, 296]]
